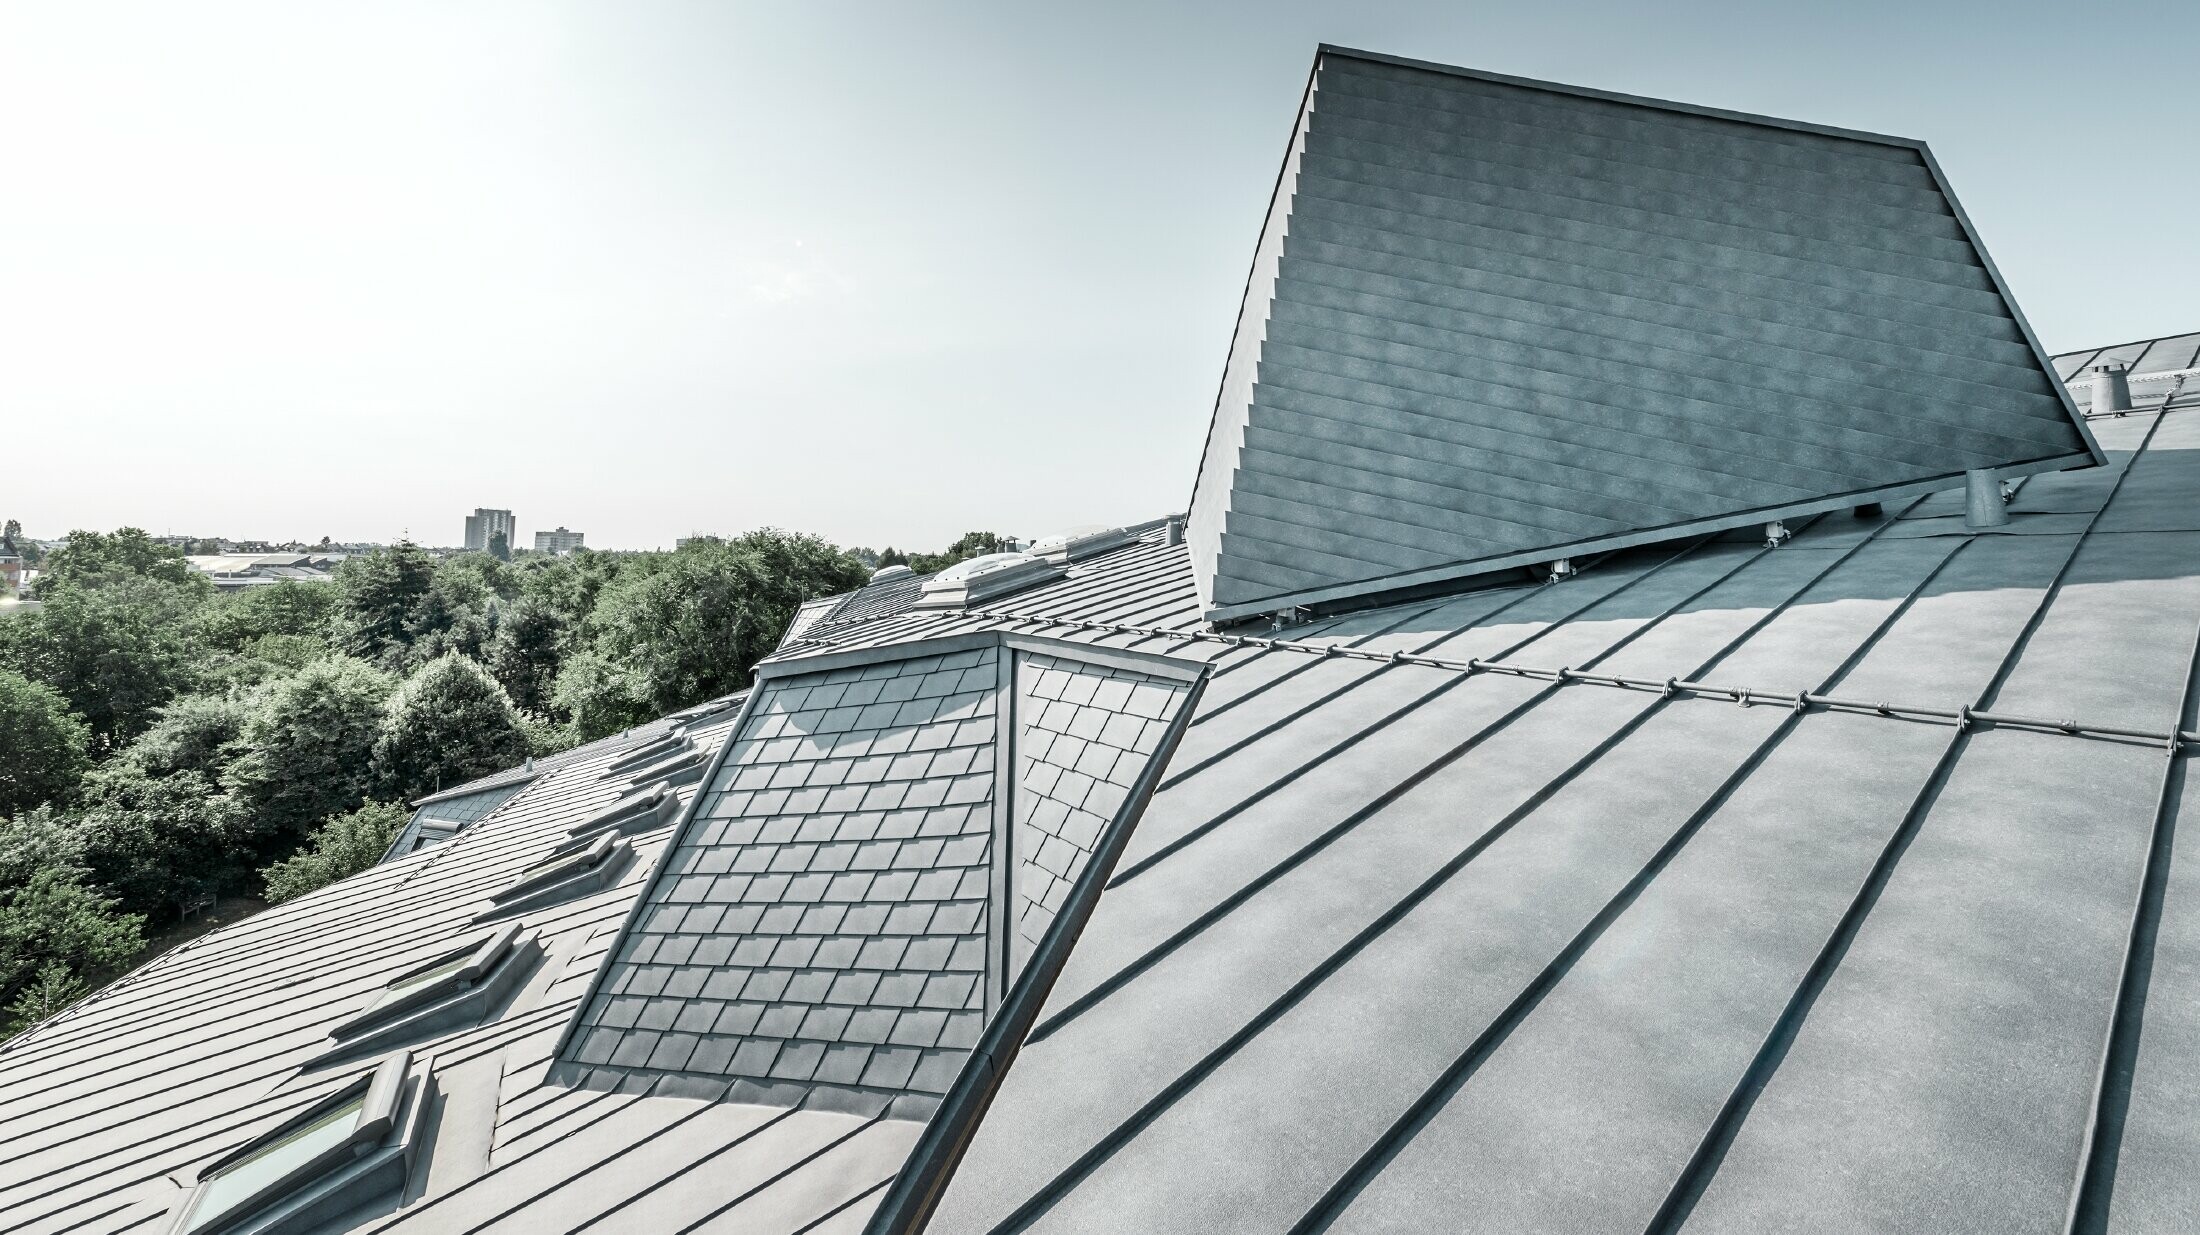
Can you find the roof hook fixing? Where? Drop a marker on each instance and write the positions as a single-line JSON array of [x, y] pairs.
[[1776, 532]]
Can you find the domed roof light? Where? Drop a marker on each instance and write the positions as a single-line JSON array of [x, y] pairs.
[[886, 573], [1078, 543], [981, 579]]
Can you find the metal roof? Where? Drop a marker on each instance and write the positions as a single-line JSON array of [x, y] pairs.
[[1494, 322], [1723, 885], [1685, 891]]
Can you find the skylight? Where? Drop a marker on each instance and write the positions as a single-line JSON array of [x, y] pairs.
[[1078, 543], [981, 579], [580, 867], [636, 812], [451, 989], [256, 1172], [349, 1146]]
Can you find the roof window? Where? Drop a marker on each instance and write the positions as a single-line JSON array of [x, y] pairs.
[[580, 867], [653, 751], [444, 992], [639, 811], [1078, 543], [354, 1144], [887, 573], [981, 579]]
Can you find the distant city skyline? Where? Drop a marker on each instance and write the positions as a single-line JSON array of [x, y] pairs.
[[883, 273]]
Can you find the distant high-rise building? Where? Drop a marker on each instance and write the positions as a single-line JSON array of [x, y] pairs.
[[485, 523], [560, 541]]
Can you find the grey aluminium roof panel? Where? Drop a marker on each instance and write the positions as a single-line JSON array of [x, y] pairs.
[[1493, 322]]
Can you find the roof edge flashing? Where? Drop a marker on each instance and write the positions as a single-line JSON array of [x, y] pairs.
[[1389, 589]]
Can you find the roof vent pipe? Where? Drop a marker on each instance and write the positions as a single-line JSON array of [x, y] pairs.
[[2111, 389], [1174, 533], [1983, 499]]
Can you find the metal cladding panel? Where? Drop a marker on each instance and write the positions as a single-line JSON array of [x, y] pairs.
[[1493, 322]]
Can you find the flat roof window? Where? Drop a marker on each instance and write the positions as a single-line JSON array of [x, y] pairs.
[[345, 1148], [444, 978], [1078, 543], [981, 579], [230, 1188], [581, 866], [636, 812]]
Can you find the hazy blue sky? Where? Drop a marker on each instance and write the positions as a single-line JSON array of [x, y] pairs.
[[884, 272]]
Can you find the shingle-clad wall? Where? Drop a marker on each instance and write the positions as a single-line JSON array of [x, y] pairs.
[[1085, 733], [820, 933], [1510, 318]]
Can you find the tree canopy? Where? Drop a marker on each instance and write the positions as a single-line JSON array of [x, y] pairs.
[[342, 847], [44, 745], [448, 724], [95, 559], [308, 746], [693, 627]]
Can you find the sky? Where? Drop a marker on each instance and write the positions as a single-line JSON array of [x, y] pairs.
[[883, 272]]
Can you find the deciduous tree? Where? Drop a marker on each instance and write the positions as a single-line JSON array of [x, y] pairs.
[[307, 750], [340, 848], [42, 746], [449, 723]]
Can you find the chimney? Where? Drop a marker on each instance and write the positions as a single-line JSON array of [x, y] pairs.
[[1983, 499], [2111, 389]]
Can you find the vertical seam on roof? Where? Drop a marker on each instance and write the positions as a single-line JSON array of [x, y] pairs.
[[1324, 1211], [1703, 1164], [1408, 708], [1044, 1199], [2093, 1187]]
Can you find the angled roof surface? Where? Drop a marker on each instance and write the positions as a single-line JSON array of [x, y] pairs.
[[1723, 885], [1492, 322], [1416, 931]]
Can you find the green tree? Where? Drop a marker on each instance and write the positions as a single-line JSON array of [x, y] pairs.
[[495, 576], [527, 650], [48, 992], [291, 607], [197, 733], [53, 918], [116, 651], [96, 559], [342, 847], [10, 536], [37, 840], [500, 546], [448, 724], [458, 615], [694, 627], [157, 843], [377, 595], [307, 747], [41, 745], [969, 545]]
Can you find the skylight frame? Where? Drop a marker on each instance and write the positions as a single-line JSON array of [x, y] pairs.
[[483, 959], [655, 750], [391, 1106], [638, 811], [568, 872]]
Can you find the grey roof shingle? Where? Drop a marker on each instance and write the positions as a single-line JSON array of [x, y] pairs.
[[1495, 322]]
